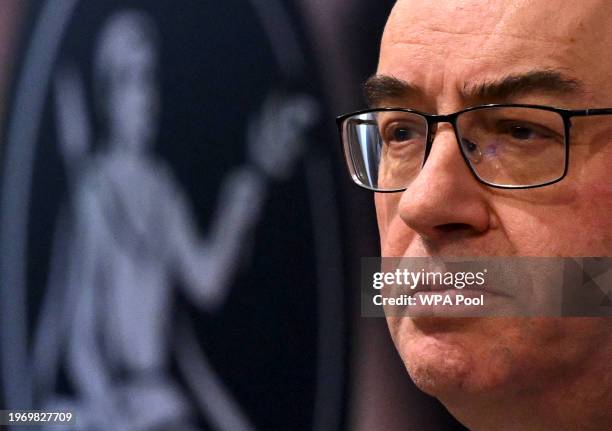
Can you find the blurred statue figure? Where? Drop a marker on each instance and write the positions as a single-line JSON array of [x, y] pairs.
[[129, 237]]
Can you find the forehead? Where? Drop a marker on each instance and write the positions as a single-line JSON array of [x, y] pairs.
[[442, 46]]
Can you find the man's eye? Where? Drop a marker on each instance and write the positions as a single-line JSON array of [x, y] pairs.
[[401, 133], [523, 133], [526, 131]]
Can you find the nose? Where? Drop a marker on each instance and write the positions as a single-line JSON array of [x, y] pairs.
[[445, 200]]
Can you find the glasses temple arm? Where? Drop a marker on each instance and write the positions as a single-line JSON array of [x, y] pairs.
[[589, 112]]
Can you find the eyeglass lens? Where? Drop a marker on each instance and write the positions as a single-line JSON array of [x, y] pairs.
[[504, 146]]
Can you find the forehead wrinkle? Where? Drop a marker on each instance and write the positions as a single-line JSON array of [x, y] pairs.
[[551, 20], [436, 28], [440, 47], [439, 25]]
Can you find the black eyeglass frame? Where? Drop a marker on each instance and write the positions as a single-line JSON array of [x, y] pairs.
[[433, 119]]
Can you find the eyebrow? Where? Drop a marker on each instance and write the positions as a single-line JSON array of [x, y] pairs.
[[537, 81], [380, 89]]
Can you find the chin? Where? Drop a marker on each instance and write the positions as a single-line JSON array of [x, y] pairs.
[[449, 359]]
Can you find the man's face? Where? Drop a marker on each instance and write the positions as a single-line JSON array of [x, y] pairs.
[[441, 49]]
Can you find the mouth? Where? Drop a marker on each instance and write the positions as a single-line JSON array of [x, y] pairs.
[[457, 289], [455, 303], [426, 289], [503, 287]]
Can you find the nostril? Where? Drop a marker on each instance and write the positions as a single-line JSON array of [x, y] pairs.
[[453, 227]]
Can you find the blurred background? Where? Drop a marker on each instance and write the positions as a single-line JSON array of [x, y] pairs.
[[180, 243]]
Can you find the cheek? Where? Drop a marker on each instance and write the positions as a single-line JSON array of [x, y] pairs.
[[580, 225], [588, 223], [386, 212], [597, 226], [598, 202], [395, 235], [589, 214], [381, 217]]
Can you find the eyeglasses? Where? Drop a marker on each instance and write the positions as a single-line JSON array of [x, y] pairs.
[[509, 146]]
